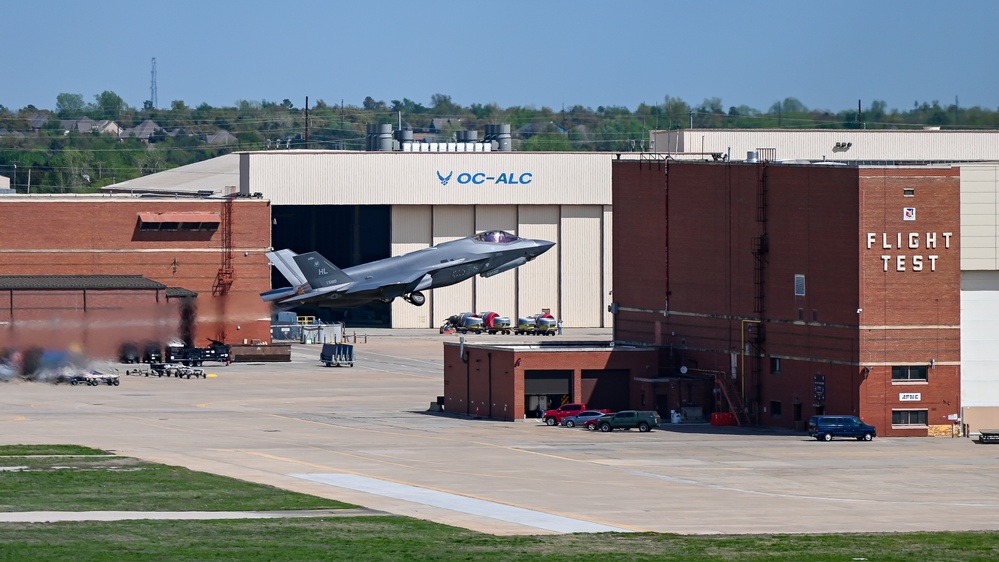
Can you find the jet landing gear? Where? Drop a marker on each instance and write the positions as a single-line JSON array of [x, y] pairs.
[[416, 298]]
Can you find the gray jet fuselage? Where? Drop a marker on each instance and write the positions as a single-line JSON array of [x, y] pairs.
[[318, 282]]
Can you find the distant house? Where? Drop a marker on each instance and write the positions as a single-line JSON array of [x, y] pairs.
[[81, 125], [108, 127], [142, 131], [221, 137], [88, 125], [38, 120], [438, 124]]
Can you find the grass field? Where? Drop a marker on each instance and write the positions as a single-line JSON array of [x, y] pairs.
[[68, 478]]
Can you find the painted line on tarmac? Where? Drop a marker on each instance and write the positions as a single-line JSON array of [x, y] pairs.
[[444, 492], [461, 504]]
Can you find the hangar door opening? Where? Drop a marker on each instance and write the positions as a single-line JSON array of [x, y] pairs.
[[544, 389], [347, 235], [607, 388]]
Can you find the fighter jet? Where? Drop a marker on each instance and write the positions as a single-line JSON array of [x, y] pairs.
[[318, 282]]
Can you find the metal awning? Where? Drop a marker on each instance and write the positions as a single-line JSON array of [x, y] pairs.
[[78, 282], [180, 221]]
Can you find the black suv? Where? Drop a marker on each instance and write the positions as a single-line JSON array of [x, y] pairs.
[[824, 428]]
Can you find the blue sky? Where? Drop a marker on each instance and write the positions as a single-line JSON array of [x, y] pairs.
[[510, 52]]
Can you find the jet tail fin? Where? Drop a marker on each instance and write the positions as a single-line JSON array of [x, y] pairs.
[[284, 260], [319, 272]]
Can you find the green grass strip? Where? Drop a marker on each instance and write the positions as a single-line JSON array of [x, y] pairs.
[[94, 482]]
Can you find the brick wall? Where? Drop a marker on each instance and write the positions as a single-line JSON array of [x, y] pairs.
[[100, 235], [817, 224], [490, 383]]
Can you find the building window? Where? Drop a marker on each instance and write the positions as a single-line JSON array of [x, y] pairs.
[[799, 285], [775, 365], [908, 192], [909, 373], [775, 409], [908, 417]]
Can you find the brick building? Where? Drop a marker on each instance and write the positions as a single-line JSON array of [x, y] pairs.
[[801, 289], [514, 381], [177, 245]]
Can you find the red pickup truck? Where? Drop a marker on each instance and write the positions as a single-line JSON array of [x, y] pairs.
[[555, 417]]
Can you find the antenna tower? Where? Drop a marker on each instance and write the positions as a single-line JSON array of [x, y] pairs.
[[152, 86]]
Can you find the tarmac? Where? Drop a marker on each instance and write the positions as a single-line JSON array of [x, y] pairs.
[[364, 435]]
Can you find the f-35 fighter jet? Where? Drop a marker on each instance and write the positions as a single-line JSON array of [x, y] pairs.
[[318, 282]]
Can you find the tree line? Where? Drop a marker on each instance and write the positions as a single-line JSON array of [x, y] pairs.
[[38, 144]]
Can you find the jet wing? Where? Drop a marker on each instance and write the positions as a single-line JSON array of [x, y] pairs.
[[324, 292], [406, 280]]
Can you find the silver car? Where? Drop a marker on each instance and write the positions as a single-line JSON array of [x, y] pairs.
[[581, 418]]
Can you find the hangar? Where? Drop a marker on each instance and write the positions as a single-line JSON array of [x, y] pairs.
[[355, 207]]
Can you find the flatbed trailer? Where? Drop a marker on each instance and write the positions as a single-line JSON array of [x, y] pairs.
[[988, 436], [168, 370]]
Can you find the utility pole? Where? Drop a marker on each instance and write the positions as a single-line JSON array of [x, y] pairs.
[[306, 122]]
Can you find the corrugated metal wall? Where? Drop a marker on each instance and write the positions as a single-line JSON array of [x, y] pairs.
[[538, 281], [854, 144], [299, 177], [979, 338], [608, 260], [497, 293], [580, 251], [979, 210], [412, 229], [451, 222], [572, 280]]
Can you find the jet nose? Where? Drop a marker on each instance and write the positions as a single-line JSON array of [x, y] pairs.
[[541, 246]]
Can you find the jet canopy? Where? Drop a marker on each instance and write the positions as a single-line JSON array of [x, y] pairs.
[[496, 236]]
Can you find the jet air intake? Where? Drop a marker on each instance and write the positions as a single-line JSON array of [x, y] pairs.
[[505, 267]]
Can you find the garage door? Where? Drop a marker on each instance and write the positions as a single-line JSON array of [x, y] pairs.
[[606, 389], [548, 382]]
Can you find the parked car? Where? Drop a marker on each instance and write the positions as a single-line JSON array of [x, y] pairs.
[[582, 418], [824, 428], [128, 352], [556, 415], [627, 419]]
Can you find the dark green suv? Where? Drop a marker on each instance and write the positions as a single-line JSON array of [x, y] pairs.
[[824, 428]]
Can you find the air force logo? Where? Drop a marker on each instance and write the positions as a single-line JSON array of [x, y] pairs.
[[479, 178]]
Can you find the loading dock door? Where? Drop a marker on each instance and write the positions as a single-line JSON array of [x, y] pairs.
[[544, 389], [606, 389]]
